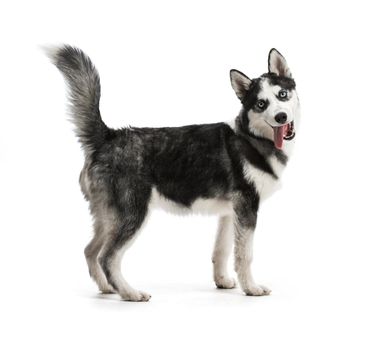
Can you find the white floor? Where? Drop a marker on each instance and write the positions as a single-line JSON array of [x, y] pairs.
[[50, 301]]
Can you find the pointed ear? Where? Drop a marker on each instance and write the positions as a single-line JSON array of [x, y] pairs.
[[240, 83], [278, 64]]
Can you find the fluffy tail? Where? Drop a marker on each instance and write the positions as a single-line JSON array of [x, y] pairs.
[[84, 86]]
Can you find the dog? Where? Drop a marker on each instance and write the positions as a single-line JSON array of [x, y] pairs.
[[226, 169]]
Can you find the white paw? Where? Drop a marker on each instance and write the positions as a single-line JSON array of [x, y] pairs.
[[257, 290], [136, 296], [225, 282], [106, 289]]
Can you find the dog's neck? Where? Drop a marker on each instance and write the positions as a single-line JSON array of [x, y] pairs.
[[263, 145]]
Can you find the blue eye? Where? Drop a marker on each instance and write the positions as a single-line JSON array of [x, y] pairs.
[[283, 93], [260, 104]]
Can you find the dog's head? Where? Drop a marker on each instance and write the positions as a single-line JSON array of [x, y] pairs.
[[270, 103]]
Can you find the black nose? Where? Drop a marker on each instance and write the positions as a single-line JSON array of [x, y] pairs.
[[281, 118]]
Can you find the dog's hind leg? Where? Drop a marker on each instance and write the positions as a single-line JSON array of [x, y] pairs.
[[91, 252], [222, 250], [122, 233], [110, 260]]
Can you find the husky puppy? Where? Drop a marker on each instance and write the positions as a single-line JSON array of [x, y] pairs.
[[223, 168]]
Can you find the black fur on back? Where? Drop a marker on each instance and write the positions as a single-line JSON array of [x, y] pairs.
[[182, 163]]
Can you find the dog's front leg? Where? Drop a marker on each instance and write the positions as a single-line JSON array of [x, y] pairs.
[[222, 250], [244, 233]]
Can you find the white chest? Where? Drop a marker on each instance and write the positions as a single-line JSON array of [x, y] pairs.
[[266, 184]]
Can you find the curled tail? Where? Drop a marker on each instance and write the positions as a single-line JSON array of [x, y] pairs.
[[84, 86]]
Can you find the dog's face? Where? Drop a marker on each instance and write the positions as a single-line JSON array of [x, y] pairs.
[[270, 102]]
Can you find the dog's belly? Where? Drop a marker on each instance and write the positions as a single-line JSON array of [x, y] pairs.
[[199, 206]]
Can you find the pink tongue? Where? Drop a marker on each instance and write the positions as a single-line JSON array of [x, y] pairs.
[[278, 136]]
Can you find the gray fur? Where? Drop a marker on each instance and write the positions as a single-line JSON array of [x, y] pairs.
[[219, 168], [84, 94]]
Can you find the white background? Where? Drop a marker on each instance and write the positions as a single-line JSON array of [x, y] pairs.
[[166, 64]]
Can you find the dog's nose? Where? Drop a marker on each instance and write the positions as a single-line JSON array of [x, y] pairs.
[[281, 118]]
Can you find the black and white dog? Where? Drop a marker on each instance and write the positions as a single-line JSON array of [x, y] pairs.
[[224, 168]]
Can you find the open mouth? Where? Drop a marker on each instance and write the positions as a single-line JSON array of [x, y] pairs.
[[284, 132]]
